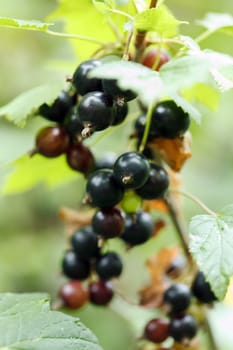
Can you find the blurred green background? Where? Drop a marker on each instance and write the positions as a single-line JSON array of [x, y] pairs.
[[32, 239]]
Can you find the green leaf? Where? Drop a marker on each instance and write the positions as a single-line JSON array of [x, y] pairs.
[[142, 80], [204, 94], [24, 24], [26, 322], [187, 107], [211, 244], [23, 106], [158, 19], [29, 172], [103, 5], [218, 21]]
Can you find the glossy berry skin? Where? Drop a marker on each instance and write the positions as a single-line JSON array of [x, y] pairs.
[[101, 292], [168, 120], [151, 56], [108, 222], [156, 330], [138, 228], [183, 328], [201, 289], [73, 124], [102, 189], [95, 109], [178, 297], [120, 111], [131, 170], [139, 125], [74, 295], [74, 267], [52, 141], [156, 184], [59, 108], [109, 266], [110, 87], [85, 243], [80, 80], [106, 161], [80, 158]]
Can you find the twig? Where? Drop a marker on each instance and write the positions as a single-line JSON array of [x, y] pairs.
[[212, 341]]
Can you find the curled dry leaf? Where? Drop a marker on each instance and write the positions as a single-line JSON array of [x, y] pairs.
[[152, 294], [74, 219], [174, 151]]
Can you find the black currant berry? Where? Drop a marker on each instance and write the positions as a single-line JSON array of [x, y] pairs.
[[85, 242], [59, 109], [95, 110], [201, 289], [109, 266], [183, 328], [80, 158], [120, 111], [106, 161], [131, 170], [139, 126], [108, 222], [101, 292], [80, 80], [156, 330], [74, 267], [156, 184], [74, 295], [110, 87], [102, 189], [73, 124], [52, 141], [138, 228], [168, 120], [178, 297]]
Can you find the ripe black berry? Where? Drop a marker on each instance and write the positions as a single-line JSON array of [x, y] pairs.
[[80, 80], [156, 184], [138, 228], [131, 170], [73, 294], [73, 124], [201, 289], [169, 120], [178, 297], [74, 267], [102, 189], [183, 328], [85, 242], [156, 330], [80, 158], [95, 110], [108, 266], [52, 141], [100, 292], [108, 222], [120, 111], [110, 86], [59, 109]]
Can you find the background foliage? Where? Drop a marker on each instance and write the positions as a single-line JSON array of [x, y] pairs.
[[32, 238]]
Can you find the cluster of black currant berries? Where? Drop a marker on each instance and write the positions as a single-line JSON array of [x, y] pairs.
[[179, 324], [105, 190]]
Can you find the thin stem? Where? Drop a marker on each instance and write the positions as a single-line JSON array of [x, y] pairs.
[[147, 128], [179, 224], [75, 36], [196, 200], [153, 3], [114, 29], [204, 35], [127, 46], [210, 333]]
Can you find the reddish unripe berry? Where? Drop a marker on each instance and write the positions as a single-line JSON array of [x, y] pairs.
[[100, 292], [74, 295], [156, 330], [151, 55], [80, 158], [52, 141], [108, 222]]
